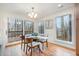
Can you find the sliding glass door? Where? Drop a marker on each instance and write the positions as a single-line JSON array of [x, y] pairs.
[[18, 27], [63, 28], [15, 28]]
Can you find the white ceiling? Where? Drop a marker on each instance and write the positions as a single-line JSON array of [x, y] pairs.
[[42, 9]]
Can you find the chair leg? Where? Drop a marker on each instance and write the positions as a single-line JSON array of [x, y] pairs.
[[31, 52], [43, 46], [26, 48], [39, 49], [21, 45], [29, 48], [46, 43]]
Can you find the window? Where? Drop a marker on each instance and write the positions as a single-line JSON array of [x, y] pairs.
[[11, 28], [63, 28], [14, 27], [28, 27], [41, 27], [17, 27]]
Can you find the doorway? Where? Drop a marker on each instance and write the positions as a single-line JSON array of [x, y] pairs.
[[18, 27]]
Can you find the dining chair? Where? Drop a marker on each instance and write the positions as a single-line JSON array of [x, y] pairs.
[[32, 44], [44, 41]]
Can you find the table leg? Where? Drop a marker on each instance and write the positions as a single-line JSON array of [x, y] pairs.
[[46, 43]]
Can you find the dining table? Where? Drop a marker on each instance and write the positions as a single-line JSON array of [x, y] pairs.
[[40, 39]]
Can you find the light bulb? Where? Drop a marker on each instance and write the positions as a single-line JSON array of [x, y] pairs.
[[60, 5], [35, 15]]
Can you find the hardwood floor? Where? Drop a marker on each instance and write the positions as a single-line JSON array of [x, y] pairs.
[[52, 50]]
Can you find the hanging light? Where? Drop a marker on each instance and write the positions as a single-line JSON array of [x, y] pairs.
[[32, 14]]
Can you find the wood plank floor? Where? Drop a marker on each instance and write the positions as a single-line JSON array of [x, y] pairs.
[[52, 50]]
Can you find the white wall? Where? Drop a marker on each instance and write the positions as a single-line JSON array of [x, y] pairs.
[[52, 32], [3, 31]]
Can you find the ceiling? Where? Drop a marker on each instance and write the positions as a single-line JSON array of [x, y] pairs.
[[42, 9]]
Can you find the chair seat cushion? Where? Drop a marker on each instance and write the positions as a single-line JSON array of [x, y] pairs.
[[34, 44], [43, 39]]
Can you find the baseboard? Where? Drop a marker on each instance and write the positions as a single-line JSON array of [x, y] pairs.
[[13, 44], [64, 46]]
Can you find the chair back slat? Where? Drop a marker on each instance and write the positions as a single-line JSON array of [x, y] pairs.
[[29, 40], [22, 37]]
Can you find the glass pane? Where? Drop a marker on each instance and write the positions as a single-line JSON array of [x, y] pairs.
[[19, 25], [41, 27], [28, 27], [67, 28], [59, 28], [11, 25]]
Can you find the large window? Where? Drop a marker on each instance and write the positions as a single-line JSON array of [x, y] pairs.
[[28, 27], [41, 27], [63, 28]]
